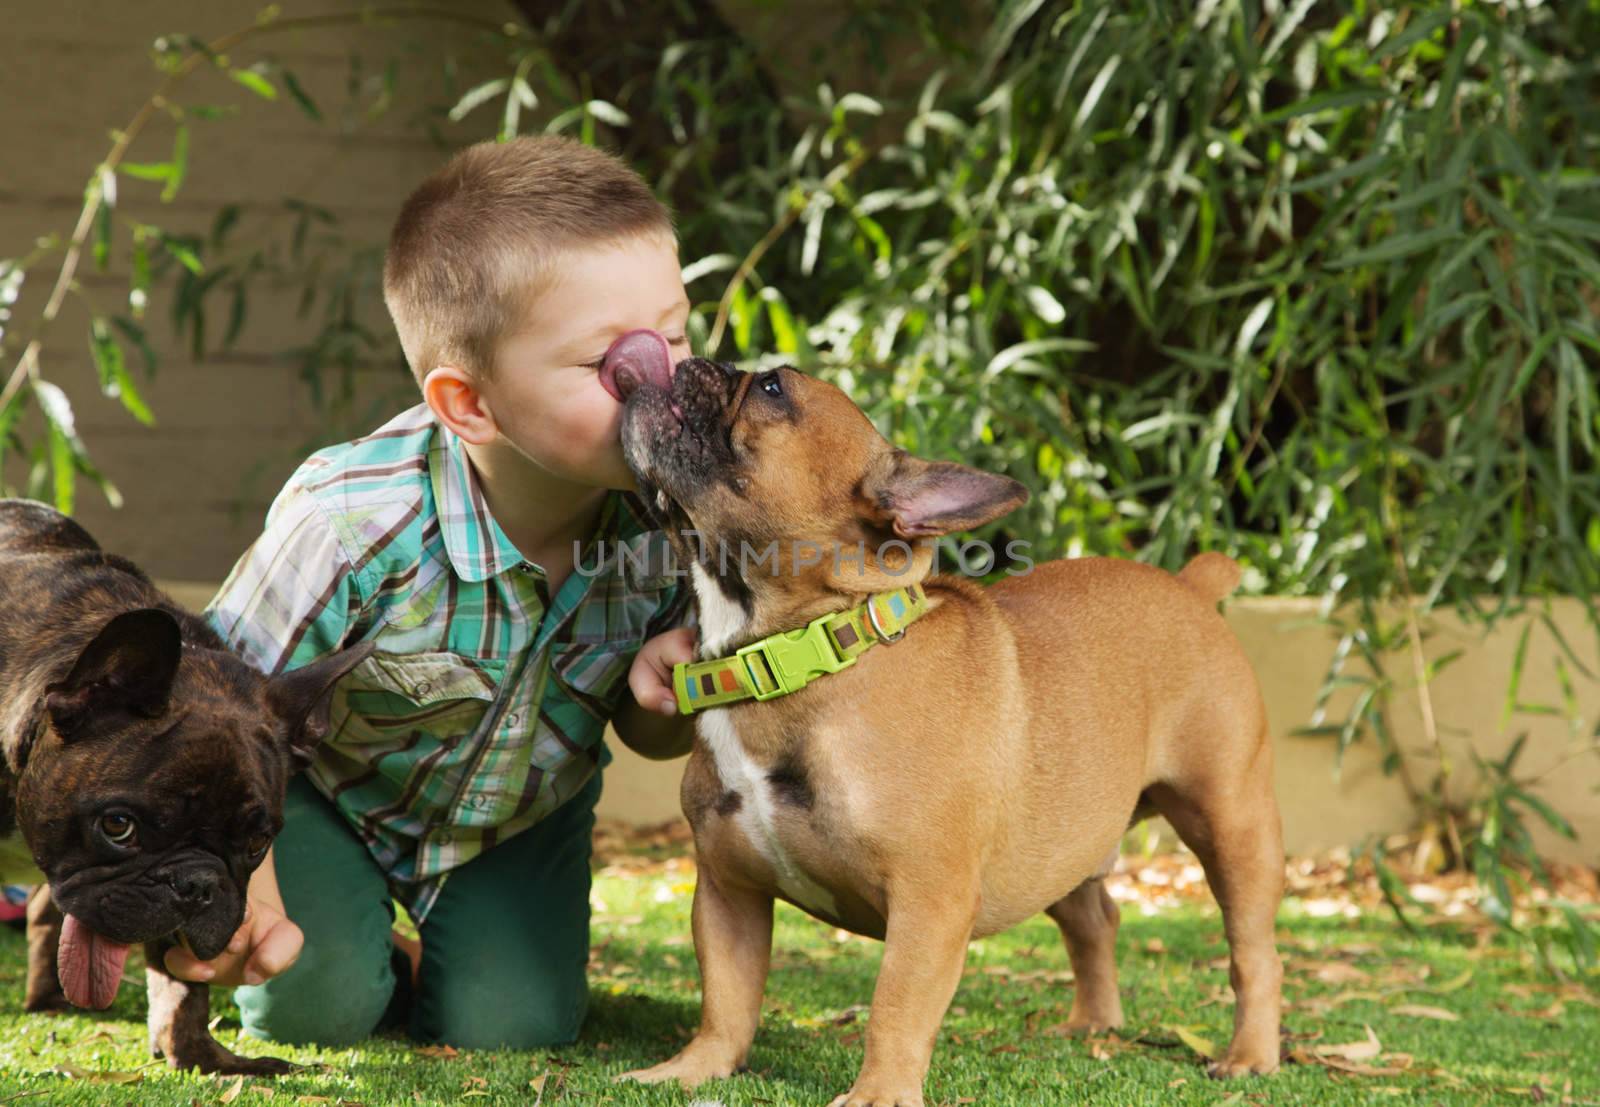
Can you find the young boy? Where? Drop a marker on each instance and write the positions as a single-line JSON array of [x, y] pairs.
[[463, 769]]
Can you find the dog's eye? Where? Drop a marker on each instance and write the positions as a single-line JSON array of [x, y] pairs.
[[258, 843], [119, 830], [770, 384]]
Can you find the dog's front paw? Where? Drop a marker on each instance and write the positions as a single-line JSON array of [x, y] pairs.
[[689, 1068], [1241, 1063], [1091, 1026], [209, 1057], [48, 1003], [875, 1094]]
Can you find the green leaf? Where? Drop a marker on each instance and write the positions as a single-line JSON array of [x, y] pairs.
[[180, 163], [1556, 821], [134, 333], [147, 171], [67, 454], [1327, 101], [102, 236], [183, 252], [1518, 661], [236, 315], [63, 470], [139, 278], [113, 370], [1012, 355], [711, 263], [785, 338], [300, 96], [226, 217], [255, 82], [1400, 246], [607, 113], [1043, 304], [477, 96]]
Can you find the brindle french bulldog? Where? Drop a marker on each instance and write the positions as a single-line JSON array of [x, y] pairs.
[[145, 765]]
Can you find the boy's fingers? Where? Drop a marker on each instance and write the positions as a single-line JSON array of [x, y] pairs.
[[279, 949], [183, 965], [679, 646]]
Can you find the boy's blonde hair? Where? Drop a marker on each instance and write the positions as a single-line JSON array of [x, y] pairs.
[[476, 243]]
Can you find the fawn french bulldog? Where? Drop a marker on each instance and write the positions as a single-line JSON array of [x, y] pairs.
[[930, 760]]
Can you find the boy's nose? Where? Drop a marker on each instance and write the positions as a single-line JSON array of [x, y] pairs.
[[637, 358]]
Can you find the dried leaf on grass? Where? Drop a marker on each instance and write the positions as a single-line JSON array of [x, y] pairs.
[[1423, 1011], [1338, 1064], [1335, 972], [1353, 1051], [94, 1076], [233, 1091], [1454, 984], [1205, 1047]]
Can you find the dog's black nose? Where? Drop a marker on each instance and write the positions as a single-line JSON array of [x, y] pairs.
[[195, 888]]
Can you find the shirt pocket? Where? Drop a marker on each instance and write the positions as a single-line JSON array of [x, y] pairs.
[[390, 696], [594, 675]]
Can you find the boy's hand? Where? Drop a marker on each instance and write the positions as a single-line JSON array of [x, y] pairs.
[[266, 944], [650, 725], [650, 679]]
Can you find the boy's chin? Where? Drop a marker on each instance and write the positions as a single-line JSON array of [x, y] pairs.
[[608, 470]]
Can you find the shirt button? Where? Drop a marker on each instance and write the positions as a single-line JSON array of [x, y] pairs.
[[446, 838], [423, 688], [513, 719]]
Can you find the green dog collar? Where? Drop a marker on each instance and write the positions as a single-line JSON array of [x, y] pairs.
[[791, 659]]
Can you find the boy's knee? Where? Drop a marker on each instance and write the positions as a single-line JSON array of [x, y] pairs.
[[483, 1014], [334, 995]]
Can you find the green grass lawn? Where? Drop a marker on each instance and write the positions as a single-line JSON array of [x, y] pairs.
[[1518, 1035]]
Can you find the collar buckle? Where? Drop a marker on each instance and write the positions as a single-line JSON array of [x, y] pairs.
[[794, 658]]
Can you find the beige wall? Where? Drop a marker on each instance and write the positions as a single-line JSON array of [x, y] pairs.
[[231, 426]]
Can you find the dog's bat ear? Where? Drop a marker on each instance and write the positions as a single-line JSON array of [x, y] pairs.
[[303, 698], [920, 498], [127, 670]]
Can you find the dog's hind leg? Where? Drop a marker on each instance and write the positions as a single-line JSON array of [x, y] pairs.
[[1088, 919], [1230, 819]]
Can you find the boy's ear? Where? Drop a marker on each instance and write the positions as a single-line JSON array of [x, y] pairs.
[[456, 401], [920, 498]]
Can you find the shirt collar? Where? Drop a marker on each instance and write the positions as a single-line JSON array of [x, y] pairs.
[[478, 549]]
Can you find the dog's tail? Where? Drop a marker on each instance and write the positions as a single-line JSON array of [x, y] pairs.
[[1214, 576]]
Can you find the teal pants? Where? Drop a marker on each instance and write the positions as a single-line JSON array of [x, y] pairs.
[[504, 947]]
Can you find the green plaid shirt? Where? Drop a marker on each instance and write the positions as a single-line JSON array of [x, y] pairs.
[[484, 707]]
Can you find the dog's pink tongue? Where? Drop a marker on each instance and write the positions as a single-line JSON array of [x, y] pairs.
[[90, 965], [638, 357]]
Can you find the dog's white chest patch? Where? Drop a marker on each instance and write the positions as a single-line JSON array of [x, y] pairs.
[[755, 816], [720, 618]]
